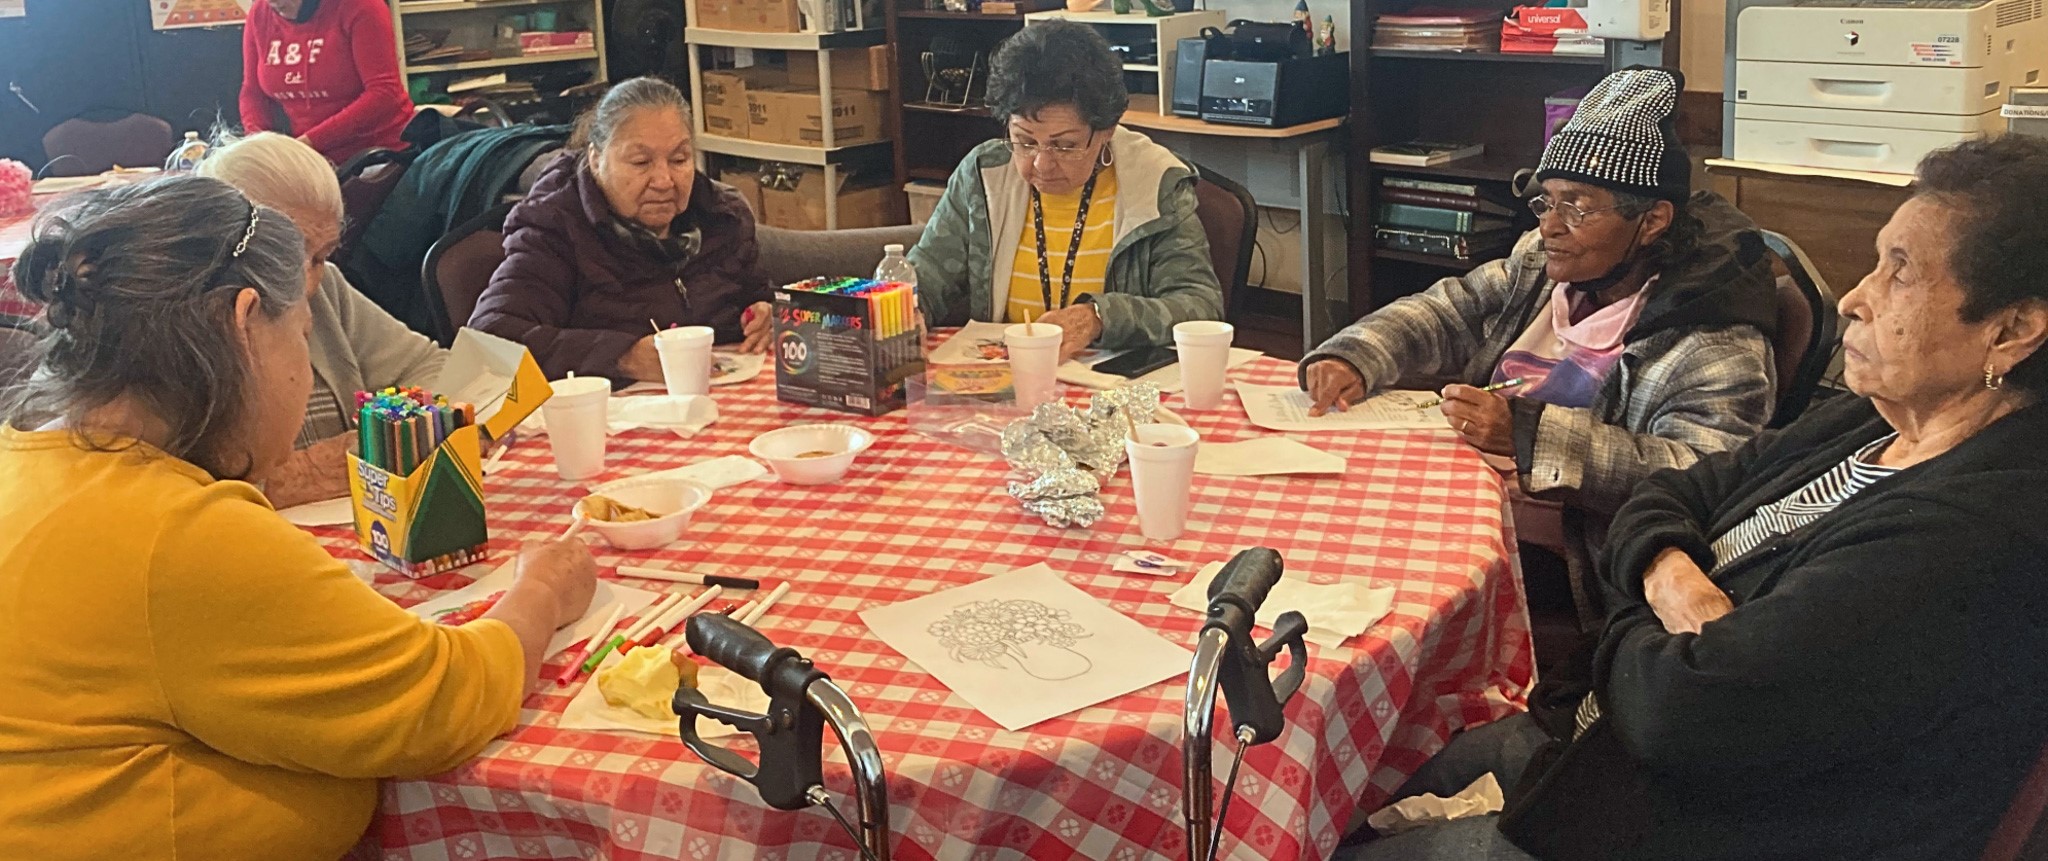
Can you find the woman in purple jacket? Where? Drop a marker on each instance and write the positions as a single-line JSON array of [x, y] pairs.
[[620, 231]]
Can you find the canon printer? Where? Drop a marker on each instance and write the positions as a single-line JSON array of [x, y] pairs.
[[1874, 85], [1259, 74]]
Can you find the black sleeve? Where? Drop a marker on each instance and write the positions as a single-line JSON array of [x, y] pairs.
[[1859, 644], [1673, 508]]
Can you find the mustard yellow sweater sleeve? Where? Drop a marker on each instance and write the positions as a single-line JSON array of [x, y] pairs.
[[272, 652]]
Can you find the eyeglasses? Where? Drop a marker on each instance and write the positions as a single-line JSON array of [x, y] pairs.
[[1027, 151], [1571, 213]]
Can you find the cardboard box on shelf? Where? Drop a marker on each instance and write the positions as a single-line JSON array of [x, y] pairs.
[[789, 115], [533, 43], [714, 15], [766, 16], [804, 209], [852, 68], [725, 103], [746, 181]]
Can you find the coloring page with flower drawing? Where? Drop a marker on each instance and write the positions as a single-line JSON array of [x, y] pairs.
[[1026, 646]]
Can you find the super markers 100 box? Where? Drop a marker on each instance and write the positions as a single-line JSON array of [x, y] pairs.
[[846, 344]]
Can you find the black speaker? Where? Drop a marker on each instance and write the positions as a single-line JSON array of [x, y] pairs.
[[1187, 76]]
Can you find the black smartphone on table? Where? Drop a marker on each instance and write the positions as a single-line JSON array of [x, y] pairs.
[[1137, 363]]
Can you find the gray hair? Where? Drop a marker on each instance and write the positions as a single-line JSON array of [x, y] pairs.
[[275, 170], [140, 284], [595, 128]]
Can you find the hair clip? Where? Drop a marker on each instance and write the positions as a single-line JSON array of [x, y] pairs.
[[248, 234]]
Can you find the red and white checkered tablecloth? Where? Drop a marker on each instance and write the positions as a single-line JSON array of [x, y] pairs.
[[1417, 511]]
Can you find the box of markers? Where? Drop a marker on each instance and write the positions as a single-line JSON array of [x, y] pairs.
[[416, 476], [846, 344]]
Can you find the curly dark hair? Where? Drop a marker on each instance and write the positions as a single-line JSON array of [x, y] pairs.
[[1058, 63], [1677, 240], [1998, 189]]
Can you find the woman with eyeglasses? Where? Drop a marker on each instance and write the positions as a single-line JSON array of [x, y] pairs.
[[1071, 219], [1637, 317]]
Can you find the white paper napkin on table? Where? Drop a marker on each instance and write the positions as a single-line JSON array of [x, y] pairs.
[[589, 711], [332, 512], [1079, 373], [726, 369], [1336, 612], [717, 473], [684, 414], [1270, 455]]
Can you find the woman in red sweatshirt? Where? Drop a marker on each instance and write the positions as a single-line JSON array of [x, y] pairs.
[[331, 68]]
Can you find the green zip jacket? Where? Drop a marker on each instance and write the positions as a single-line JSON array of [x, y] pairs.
[[1159, 271]]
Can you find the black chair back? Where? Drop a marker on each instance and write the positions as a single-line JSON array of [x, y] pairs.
[[1809, 329], [1230, 218], [459, 267]]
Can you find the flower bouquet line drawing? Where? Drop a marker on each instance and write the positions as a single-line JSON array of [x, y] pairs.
[[1015, 633]]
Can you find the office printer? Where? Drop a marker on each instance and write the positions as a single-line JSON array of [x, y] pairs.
[[1876, 84], [1259, 74]]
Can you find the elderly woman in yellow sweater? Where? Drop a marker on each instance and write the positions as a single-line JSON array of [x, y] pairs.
[[189, 676]]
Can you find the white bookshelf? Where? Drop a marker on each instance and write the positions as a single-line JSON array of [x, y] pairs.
[[473, 24], [828, 158], [1133, 27]]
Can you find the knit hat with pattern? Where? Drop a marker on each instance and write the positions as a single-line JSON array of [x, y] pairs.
[[1624, 137]]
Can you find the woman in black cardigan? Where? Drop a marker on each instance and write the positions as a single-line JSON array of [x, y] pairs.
[[1832, 642]]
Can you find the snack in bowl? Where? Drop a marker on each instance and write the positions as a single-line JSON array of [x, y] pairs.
[[608, 510], [812, 454], [644, 681]]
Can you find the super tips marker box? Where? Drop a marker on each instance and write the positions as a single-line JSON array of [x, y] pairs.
[[431, 518], [846, 344]]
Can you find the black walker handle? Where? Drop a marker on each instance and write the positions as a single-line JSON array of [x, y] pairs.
[[1255, 700], [790, 735]]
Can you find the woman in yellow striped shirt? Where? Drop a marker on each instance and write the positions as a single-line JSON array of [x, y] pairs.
[[1071, 218]]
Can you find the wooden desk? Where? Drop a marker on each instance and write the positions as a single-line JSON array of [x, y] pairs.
[[1171, 123], [1283, 168], [1835, 220]]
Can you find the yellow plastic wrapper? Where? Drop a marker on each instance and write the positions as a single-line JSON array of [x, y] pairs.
[[644, 681]]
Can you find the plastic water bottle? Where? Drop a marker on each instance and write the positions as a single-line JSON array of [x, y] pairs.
[[186, 157], [895, 266]]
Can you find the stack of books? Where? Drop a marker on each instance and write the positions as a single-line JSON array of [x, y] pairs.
[[1423, 153], [1443, 219], [430, 46], [1431, 28]]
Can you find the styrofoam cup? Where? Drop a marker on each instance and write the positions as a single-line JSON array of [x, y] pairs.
[[578, 425], [1163, 475], [685, 359], [1034, 362], [1204, 348]]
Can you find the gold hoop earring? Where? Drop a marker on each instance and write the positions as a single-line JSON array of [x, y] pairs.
[[1992, 379]]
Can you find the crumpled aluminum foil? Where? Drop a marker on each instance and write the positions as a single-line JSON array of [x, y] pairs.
[[1067, 452]]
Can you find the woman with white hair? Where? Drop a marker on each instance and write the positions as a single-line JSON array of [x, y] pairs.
[[356, 346]]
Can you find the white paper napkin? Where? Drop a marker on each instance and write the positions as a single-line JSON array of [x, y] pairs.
[[1272, 455], [1336, 612], [717, 473], [589, 711], [332, 512], [684, 414]]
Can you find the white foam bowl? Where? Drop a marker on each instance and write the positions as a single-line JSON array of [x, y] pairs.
[[675, 499], [781, 447]]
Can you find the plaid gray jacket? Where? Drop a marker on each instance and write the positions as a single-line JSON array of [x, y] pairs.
[[1675, 395]]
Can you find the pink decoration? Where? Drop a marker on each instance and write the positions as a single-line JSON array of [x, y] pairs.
[[17, 184]]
